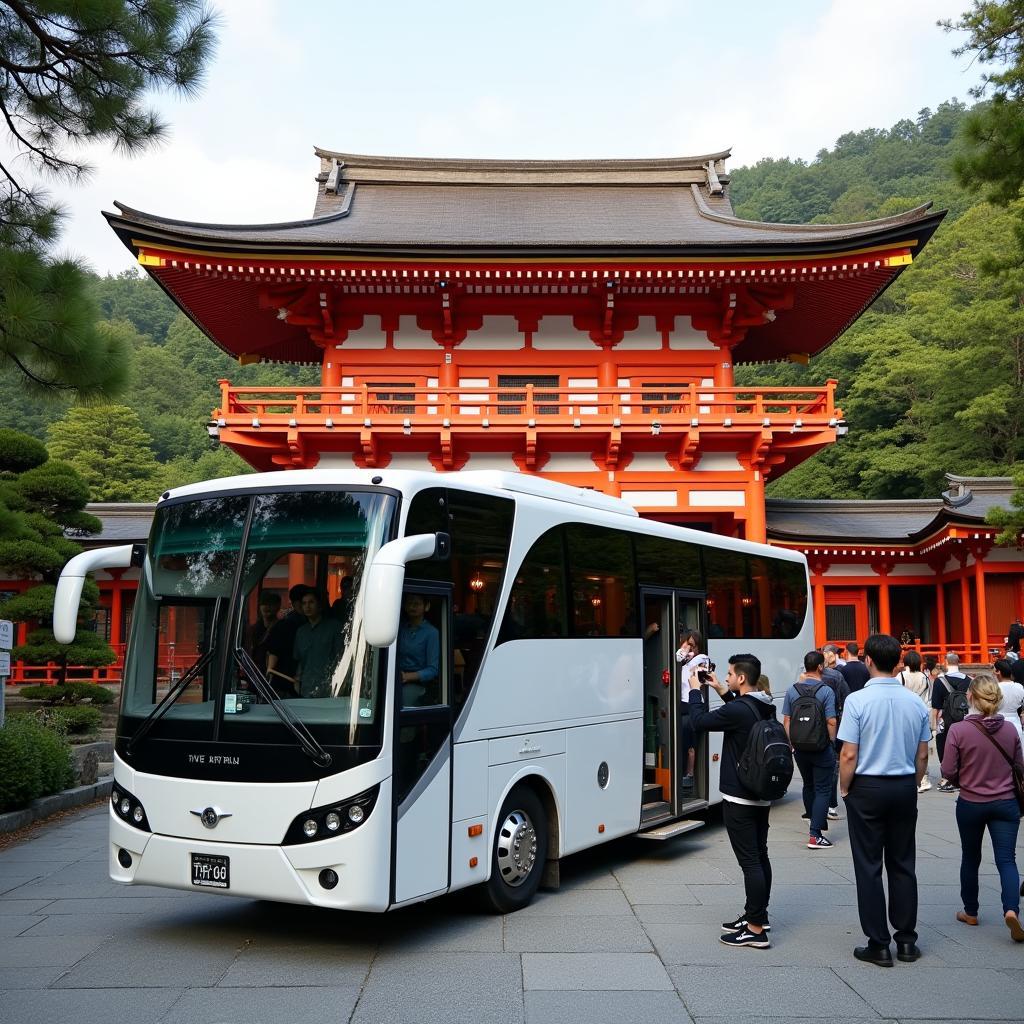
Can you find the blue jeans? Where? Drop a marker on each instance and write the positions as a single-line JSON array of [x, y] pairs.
[[1003, 820], [817, 771]]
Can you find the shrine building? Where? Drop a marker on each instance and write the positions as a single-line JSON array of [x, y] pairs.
[[581, 321]]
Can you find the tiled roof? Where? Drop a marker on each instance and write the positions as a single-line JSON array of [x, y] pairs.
[[123, 523], [676, 205]]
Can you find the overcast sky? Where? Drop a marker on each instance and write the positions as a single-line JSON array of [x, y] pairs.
[[560, 78]]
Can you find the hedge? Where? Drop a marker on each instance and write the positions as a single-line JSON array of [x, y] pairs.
[[76, 719], [35, 761], [69, 693]]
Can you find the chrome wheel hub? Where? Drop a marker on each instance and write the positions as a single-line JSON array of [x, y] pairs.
[[517, 848]]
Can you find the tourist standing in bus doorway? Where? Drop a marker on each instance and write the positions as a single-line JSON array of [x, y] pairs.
[[692, 657], [744, 814]]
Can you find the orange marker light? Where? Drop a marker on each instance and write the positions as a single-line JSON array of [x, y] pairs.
[[476, 830], [600, 828], [473, 862]]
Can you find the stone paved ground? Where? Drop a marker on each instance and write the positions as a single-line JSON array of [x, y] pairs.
[[631, 936]]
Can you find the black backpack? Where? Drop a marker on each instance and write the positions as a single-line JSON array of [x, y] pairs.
[[955, 707], [808, 731], [765, 768]]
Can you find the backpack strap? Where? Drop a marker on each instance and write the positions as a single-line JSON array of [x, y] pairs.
[[947, 684]]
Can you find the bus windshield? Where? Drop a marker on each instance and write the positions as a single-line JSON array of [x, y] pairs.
[[276, 576]]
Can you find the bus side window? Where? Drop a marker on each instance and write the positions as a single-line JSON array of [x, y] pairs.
[[602, 581]]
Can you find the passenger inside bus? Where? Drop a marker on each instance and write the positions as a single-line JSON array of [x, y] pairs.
[[419, 654], [280, 645], [319, 644], [257, 634]]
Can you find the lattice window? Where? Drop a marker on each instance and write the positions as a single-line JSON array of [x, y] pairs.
[[519, 381]]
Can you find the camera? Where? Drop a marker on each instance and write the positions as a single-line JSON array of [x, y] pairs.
[[704, 675]]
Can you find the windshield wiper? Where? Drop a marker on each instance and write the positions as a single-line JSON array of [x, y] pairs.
[[181, 685], [307, 741]]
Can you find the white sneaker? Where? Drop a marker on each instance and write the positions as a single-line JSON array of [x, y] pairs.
[[926, 784], [833, 813]]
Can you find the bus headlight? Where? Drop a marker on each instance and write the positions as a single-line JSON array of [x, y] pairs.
[[334, 819], [128, 809]]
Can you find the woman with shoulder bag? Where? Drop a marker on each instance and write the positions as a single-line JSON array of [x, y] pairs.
[[983, 756]]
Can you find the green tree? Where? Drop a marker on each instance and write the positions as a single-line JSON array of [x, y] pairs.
[[72, 73], [41, 501], [108, 446]]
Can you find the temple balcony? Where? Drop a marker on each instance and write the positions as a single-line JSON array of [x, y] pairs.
[[659, 433]]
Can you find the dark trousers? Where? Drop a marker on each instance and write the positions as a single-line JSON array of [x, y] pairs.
[[1002, 818], [818, 771], [940, 745], [882, 818], [747, 828], [833, 798]]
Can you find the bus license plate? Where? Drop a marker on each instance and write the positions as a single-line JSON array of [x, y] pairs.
[[211, 871]]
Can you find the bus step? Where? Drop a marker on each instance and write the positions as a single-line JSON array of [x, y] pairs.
[[650, 788], [671, 830], [654, 809]]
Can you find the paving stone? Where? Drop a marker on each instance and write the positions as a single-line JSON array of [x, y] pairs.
[[578, 903], [28, 977], [596, 972], [915, 991], [785, 990], [797, 1020], [17, 924], [438, 931], [604, 1007], [661, 893], [35, 951], [263, 1005], [151, 962], [456, 988], [15, 906], [575, 935], [266, 964], [104, 1006]]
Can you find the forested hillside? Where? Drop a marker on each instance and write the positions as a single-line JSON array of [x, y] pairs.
[[931, 378]]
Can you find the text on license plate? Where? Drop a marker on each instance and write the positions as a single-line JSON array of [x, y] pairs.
[[211, 871]]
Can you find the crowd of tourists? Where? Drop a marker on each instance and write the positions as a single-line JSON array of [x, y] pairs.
[[862, 728]]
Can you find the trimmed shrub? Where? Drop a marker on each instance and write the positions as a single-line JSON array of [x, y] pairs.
[[69, 693], [75, 720], [34, 761]]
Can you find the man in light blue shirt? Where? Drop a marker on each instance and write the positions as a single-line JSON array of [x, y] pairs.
[[885, 734], [419, 654]]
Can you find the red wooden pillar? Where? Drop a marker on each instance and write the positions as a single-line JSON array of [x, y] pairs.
[[115, 608], [940, 610], [756, 527], [820, 620], [965, 610], [884, 617], [979, 587]]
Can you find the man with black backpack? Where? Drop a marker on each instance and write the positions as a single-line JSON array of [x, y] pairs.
[[949, 706], [756, 768], [809, 717]]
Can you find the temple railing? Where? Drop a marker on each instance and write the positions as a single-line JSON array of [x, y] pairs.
[[581, 408]]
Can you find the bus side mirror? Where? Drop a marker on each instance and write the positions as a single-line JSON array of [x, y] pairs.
[[72, 579], [382, 588]]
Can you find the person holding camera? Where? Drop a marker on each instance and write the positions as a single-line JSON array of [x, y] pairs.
[[744, 814], [691, 658]]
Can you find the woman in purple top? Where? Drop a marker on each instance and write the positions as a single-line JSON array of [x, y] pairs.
[[975, 759]]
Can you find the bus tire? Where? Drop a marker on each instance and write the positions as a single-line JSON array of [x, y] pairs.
[[518, 852]]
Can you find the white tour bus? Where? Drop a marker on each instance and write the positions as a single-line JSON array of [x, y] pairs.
[[474, 688]]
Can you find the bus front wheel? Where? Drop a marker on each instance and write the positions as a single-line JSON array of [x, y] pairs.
[[518, 853]]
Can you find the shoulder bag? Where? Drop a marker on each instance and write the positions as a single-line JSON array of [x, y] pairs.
[[1015, 773]]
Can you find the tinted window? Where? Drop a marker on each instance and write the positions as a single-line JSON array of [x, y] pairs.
[[753, 597], [668, 563], [536, 607], [602, 584], [481, 530]]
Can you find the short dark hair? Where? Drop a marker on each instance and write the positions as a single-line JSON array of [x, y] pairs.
[[930, 662], [814, 661], [883, 650], [852, 648], [912, 660], [298, 592], [1002, 666], [1017, 671], [748, 666]]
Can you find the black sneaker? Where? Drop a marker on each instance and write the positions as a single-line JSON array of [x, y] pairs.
[[739, 924], [746, 938]]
